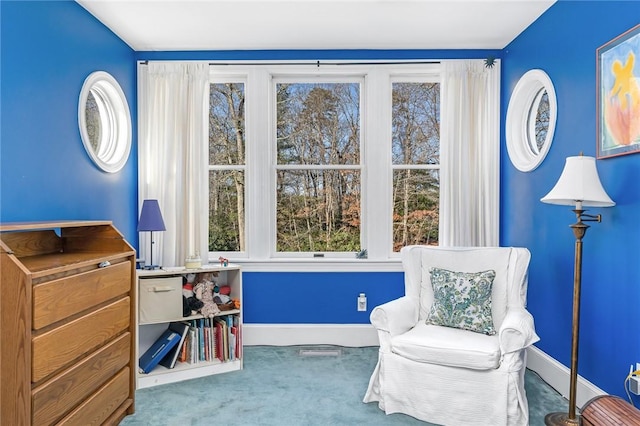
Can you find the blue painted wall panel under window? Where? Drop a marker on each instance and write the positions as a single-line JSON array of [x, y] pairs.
[[316, 298], [563, 42]]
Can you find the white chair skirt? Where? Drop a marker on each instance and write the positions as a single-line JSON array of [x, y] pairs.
[[451, 396]]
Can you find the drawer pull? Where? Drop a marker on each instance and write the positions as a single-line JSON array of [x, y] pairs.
[[159, 289]]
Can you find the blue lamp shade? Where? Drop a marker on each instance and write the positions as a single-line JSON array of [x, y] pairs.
[[151, 217]]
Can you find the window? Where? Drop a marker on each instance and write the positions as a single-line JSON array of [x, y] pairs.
[[226, 167], [318, 167], [309, 162], [416, 163], [531, 120], [104, 120]]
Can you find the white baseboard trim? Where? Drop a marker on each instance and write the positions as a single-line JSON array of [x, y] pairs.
[[558, 376], [350, 335]]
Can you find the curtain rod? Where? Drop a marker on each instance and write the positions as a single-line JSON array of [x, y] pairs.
[[318, 63]]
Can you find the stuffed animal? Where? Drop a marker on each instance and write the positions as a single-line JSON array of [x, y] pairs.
[[203, 291], [221, 294], [190, 305]]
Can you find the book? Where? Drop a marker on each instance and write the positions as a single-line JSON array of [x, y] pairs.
[[201, 356], [183, 350], [171, 357], [193, 343], [224, 338], [150, 359], [234, 340], [232, 337], [219, 345], [208, 340]]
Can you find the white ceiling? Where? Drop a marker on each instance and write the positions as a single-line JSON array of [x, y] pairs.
[[316, 24]]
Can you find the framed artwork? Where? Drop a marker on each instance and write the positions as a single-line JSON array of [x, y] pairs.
[[618, 95]]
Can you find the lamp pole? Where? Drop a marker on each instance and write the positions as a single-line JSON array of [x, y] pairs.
[[151, 266], [579, 230], [578, 185]]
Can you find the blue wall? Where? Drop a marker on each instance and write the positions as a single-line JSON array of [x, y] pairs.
[[563, 42], [48, 49]]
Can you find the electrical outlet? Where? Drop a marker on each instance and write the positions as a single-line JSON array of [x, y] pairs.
[[362, 302], [634, 385], [634, 381]]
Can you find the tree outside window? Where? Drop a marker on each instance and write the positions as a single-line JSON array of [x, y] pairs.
[[226, 167], [318, 167], [416, 163]]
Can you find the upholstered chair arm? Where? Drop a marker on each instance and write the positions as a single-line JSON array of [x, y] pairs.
[[396, 316], [517, 331]]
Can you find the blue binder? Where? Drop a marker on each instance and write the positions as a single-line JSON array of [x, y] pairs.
[[170, 359], [158, 350]]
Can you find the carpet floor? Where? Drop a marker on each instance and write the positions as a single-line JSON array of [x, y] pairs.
[[278, 386]]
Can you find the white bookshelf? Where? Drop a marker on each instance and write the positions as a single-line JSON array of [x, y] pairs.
[[149, 331]]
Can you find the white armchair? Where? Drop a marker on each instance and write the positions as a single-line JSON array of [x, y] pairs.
[[445, 374]]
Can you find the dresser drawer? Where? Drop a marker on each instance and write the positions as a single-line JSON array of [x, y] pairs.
[[59, 395], [59, 299], [63, 345], [99, 406]]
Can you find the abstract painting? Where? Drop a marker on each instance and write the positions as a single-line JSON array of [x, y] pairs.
[[618, 100]]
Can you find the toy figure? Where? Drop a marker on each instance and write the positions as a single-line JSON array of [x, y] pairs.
[[190, 305], [221, 294], [204, 292]]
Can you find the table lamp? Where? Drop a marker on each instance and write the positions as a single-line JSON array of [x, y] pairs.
[[150, 221]]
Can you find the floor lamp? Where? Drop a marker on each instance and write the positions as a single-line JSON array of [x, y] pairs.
[[151, 220], [579, 185]]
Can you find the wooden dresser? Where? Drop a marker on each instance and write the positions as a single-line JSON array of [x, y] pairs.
[[67, 334]]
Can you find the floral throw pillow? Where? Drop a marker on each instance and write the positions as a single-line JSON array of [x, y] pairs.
[[462, 300]]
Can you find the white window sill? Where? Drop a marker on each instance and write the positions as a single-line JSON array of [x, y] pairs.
[[319, 265]]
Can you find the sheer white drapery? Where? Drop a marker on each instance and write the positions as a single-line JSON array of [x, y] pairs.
[[173, 157], [470, 153]]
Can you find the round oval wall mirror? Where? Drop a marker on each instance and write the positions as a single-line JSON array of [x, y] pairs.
[[104, 121], [531, 120]]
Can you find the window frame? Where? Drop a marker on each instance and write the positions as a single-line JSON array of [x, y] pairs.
[[396, 167], [293, 79], [222, 79], [375, 154]]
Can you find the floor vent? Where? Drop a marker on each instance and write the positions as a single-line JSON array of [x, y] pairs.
[[320, 352]]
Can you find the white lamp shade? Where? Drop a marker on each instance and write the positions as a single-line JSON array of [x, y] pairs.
[[579, 185]]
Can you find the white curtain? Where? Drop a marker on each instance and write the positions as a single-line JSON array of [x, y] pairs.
[[470, 153], [173, 156]]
